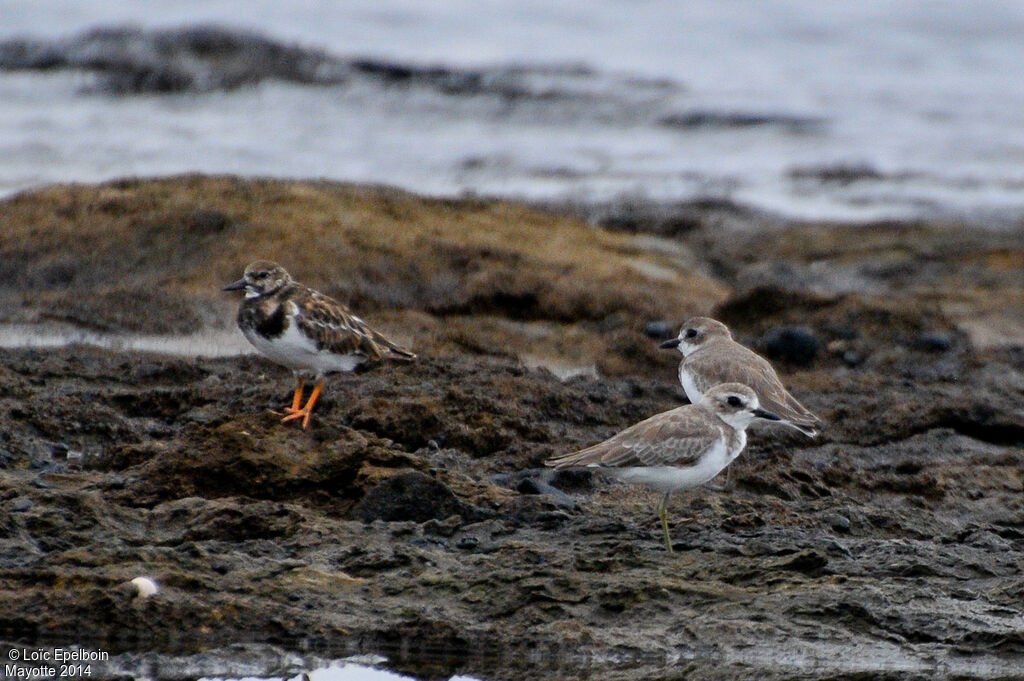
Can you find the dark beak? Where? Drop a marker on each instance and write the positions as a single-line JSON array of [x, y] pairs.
[[237, 286], [669, 344], [767, 415]]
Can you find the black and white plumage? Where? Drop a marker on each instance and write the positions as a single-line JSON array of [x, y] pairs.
[[711, 357], [310, 333], [677, 449]]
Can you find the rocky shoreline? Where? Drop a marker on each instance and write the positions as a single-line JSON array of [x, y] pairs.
[[412, 519]]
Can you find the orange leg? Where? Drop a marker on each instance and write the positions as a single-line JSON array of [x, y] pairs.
[[297, 399], [306, 411]]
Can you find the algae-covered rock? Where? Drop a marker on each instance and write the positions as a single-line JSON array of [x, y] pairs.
[[411, 514]]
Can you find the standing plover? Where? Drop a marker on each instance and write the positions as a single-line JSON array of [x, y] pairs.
[[677, 449], [711, 356], [306, 331]]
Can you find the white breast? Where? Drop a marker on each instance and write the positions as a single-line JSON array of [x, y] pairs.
[[299, 353], [692, 393]]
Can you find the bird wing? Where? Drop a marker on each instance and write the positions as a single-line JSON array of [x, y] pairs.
[[335, 329], [741, 365], [673, 438]]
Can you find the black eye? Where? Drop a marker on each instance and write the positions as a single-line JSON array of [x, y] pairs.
[[261, 275], [690, 333], [734, 401]]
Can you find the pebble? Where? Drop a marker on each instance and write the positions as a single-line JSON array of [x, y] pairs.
[[851, 358], [146, 587], [467, 543], [837, 522]]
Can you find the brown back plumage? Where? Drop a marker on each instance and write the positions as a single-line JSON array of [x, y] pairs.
[[673, 438], [723, 360], [334, 328]]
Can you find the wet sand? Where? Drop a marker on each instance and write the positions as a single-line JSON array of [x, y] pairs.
[[413, 518]]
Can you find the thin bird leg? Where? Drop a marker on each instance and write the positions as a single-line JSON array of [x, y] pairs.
[[307, 411], [663, 514], [297, 399]]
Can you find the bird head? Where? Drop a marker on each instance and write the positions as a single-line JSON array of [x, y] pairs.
[[695, 333], [736, 404], [261, 278]]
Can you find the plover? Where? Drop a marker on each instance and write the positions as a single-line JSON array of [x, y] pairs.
[[304, 330], [711, 356], [677, 449]]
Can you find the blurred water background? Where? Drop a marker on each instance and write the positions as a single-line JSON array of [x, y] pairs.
[[796, 108]]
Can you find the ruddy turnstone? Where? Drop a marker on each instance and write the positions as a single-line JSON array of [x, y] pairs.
[[677, 449], [711, 356], [306, 331]]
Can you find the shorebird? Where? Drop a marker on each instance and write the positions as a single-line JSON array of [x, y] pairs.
[[677, 449], [711, 356], [310, 333]]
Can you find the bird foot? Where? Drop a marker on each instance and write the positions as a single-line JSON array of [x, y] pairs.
[[294, 414]]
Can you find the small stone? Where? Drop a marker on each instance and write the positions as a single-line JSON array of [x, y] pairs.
[[837, 522], [22, 504], [467, 543], [146, 587]]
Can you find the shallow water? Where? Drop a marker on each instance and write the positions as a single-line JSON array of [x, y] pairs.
[[209, 343], [806, 109], [808, 659]]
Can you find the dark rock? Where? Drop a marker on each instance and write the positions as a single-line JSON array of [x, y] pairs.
[[201, 58], [443, 528], [529, 486], [659, 329], [809, 562], [837, 174], [536, 482], [411, 496], [573, 479], [837, 522], [467, 543], [933, 342], [793, 344], [731, 119]]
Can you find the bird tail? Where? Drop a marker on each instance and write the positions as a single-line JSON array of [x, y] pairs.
[[804, 427], [393, 350], [583, 457], [399, 353]]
